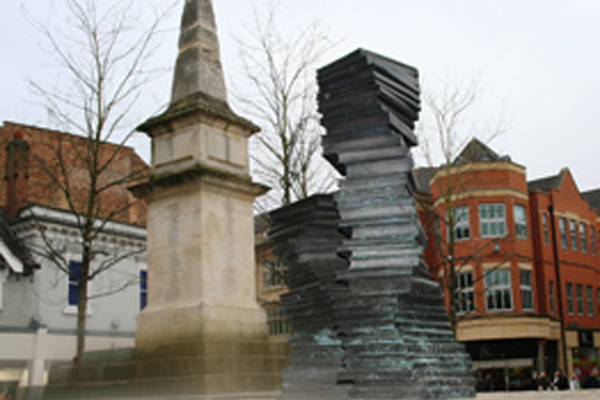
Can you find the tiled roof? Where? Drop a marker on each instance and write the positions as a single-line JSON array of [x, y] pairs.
[[547, 183], [476, 151], [593, 199]]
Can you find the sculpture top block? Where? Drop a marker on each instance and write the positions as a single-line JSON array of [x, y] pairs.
[[363, 95]]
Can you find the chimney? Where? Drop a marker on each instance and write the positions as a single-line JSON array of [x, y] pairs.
[[17, 164]]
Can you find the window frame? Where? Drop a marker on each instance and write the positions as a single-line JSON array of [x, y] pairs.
[[493, 222], [73, 290], [570, 303], [551, 292], [143, 288], [580, 301], [465, 293], [460, 223], [498, 288], [583, 237], [573, 232], [521, 229], [564, 236], [589, 293], [546, 229], [526, 289], [278, 323]]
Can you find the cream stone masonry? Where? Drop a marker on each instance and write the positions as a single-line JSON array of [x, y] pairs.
[[201, 281]]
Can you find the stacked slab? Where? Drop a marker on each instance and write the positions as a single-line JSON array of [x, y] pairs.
[[398, 343], [306, 238]]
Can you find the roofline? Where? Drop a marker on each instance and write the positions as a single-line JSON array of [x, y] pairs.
[[69, 134], [63, 217]]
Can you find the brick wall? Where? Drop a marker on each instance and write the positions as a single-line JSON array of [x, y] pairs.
[[45, 145]]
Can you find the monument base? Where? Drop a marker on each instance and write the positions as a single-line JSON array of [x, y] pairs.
[[207, 368], [161, 326]]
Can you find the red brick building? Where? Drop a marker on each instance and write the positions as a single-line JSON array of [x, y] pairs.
[[526, 261], [27, 183]]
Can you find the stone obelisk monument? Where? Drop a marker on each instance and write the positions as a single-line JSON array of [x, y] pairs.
[[200, 223]]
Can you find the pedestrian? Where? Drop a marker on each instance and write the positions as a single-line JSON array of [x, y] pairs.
[[592, 380], [574, 383], [542, 381], [534, 380], [559, 382]]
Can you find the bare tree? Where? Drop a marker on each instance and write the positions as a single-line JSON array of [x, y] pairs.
[[445, 138], [102, 53], [280, 72]]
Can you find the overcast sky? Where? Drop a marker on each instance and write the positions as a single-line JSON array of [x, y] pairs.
[[536, 62]]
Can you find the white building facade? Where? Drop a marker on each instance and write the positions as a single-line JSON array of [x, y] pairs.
[[38, 306]]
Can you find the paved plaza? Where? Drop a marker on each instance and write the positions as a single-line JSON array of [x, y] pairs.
[[557, 395]]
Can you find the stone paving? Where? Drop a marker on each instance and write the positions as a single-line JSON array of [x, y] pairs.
[[553, 395]]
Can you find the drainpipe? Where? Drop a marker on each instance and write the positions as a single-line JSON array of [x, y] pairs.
[[559, 296]]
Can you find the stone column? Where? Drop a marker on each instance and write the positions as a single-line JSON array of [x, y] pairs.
[[36, 367], [541, 356]]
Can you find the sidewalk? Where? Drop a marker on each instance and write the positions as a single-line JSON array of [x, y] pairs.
[[589, 394]]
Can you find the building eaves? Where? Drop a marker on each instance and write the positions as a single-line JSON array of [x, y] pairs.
[[13, 251]]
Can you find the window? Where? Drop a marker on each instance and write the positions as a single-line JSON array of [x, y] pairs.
[[590, 300], [277, 321], [583, 237], [562, 227], [498, 291], [598, 300], [593, 239], [573, 229], [580, 299], [143, 288], [546, 230], [570, 308], [526, 289], [492, 219], [465, 296], [74, 277], [520, 216], [273, 273], [462, 226], [552, 298]]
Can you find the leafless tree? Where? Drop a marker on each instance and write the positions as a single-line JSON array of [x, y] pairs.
[[102, 52], [445, 137], [281, 97]]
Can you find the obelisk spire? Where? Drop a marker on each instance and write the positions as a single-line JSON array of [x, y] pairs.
[[198, 70]]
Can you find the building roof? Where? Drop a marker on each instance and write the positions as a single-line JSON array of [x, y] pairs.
[[423, 177], [477, 151], [593, 199], [548, 183]]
